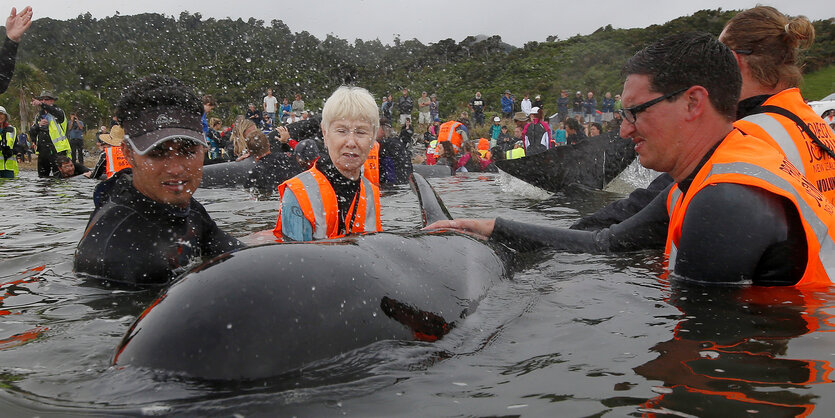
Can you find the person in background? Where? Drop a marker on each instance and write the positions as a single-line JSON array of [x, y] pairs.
[[590, 107], [574, 131], [67, 168], [146, 228], [423, 111], [537, 101], [433, 107], [577, 105], [24, 148], [607, 107], [284, 110], [562, 105], [477, 104], [298, 105], [536, 134], [406, 133], [50, 133], [595, 129], [495, 130], [333, 198], [385, 108], [76, 138], [8, 144], [270, 104], [404, 106], [254, 115], [526, 104], [112, 160], [508, 103], [559, 134]]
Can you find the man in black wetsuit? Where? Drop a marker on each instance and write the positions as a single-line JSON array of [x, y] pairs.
[[752, 224], [16, 25], [146, 228]]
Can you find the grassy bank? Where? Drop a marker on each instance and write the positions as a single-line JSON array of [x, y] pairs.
[[819, 84]]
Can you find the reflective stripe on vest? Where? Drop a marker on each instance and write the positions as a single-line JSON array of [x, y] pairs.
[[673, 198], [57, 133], [780, 135], [314, 196], [818, 226]]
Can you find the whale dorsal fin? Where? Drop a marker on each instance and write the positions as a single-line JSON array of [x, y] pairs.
[[431, 205]]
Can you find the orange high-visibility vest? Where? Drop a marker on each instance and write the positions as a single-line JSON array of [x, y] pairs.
[[449, 132], [116, 161], [371, 168], [747, 160], [317, 200], [786, 135]]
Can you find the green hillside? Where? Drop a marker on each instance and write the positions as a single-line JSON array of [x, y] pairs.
[[88, 61]]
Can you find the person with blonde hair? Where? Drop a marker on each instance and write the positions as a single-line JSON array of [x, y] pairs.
[[333, 198]]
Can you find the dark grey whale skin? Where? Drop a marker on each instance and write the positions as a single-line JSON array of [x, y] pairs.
[[267, 310]]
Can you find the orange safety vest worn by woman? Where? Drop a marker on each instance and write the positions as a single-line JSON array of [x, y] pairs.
[[781, 131], [371, 168], [746, 160], [449, 132], [319, 206], [116, 161]]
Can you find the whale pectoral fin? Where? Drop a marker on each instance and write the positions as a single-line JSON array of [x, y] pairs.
[[431, 205], [426, 326]]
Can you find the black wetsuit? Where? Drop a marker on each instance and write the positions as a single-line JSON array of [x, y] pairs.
[[761, 240], [135, 240], [271, 170], [8, 56]]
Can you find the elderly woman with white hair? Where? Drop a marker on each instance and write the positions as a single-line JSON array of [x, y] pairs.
[[333, 198]]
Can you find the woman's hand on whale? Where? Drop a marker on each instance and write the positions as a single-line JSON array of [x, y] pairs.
[[479, 228]]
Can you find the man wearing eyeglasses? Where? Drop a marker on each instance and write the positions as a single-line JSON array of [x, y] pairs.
[[739, 212], [146, 227]]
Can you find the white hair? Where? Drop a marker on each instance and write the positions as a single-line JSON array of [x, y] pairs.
[[352, 103]]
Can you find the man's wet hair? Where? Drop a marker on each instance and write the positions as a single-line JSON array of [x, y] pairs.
[[62, 159], [157, 91], [691, 59]]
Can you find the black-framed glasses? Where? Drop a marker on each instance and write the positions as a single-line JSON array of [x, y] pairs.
[[630, 114]]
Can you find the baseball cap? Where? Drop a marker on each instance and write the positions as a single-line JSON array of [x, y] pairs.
[[497, 119], [156, 125], [534, 110]]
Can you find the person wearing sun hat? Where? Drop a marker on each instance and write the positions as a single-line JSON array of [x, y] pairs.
[[112, 158], [146, 227]]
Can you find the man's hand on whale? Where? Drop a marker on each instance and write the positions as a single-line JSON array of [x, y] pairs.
[[479, 228]]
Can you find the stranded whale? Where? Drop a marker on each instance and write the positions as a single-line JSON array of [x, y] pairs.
[[268, 310]]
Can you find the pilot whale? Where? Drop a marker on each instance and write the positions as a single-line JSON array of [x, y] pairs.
[[267, 310]]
